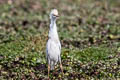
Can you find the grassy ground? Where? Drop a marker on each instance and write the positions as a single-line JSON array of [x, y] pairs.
[[89, 31]]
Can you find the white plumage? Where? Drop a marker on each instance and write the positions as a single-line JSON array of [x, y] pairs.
[[53, 47]]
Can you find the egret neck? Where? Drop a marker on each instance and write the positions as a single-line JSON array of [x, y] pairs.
[[53, 34]]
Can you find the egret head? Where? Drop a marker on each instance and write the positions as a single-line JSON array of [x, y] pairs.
[[54, 14]]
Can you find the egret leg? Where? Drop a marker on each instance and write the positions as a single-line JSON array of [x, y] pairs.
[[48, 70], [61, 65], [61, 69]]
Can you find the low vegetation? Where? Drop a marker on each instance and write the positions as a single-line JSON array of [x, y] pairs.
[[89, 31]]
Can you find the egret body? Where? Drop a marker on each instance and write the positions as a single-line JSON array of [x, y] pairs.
[[53, 47]]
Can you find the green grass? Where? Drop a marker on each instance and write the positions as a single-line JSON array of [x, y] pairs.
[[89, 32]]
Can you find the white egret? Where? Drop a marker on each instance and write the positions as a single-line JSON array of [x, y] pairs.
[[53, 47]]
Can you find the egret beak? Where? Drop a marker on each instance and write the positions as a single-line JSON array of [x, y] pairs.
[[56, 15]]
